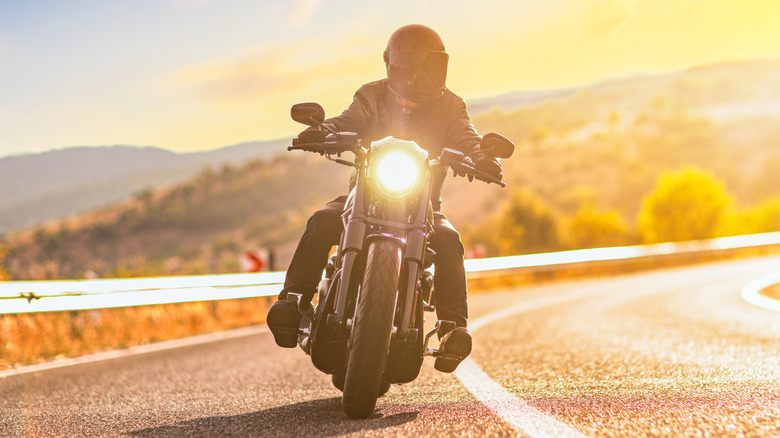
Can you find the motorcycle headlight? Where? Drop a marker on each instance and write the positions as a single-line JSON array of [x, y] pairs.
[[397, 167]]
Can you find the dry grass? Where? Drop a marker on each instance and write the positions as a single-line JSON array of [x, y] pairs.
[[30, 338]]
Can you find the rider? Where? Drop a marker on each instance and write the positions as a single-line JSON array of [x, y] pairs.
[[412, 103]]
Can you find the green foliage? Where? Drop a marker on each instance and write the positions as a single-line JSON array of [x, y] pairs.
[[687, 204]]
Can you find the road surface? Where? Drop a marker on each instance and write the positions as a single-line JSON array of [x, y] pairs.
[[664, 353]]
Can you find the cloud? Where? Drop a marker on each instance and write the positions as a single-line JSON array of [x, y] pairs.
[[280, 72], [302, 11]]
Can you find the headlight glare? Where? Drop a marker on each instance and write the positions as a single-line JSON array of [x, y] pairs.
[[397, 167], [397, 173]]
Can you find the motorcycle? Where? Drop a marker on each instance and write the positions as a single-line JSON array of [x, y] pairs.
[[366, 329]]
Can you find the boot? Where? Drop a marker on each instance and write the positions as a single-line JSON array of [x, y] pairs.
[[283, 319], [455, 346]]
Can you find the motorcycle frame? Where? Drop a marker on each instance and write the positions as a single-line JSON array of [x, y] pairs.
[[359, 229]]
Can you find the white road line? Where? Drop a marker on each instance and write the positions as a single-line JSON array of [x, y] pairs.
[[141, 349], [752, 292], [510, 408], [527, 418]]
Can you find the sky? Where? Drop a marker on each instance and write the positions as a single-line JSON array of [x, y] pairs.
[[190, 75]]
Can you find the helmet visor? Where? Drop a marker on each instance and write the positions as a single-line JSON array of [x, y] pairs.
[[417, 74]]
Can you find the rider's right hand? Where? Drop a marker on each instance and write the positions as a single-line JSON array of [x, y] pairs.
[[311, 135]]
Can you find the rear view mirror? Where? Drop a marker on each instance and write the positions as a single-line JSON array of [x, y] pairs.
[[310, 113], [496, 145]]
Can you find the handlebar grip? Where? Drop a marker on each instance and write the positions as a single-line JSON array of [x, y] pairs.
[[463, 168], [313, 147], [323, 148], [488, 178]]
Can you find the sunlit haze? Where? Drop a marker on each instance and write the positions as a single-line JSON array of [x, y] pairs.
[[201, 74]]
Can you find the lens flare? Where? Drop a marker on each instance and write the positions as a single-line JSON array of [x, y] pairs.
[[397, 173]]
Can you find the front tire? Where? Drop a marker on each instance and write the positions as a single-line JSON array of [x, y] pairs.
[[338, 381], [371, 330]]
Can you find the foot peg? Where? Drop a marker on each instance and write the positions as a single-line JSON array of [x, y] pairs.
[[455, 346]]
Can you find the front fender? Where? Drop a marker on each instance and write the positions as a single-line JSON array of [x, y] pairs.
[[400, 242]]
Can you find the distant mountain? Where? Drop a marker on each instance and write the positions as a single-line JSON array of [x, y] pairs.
[[36, 188], [705, 87]]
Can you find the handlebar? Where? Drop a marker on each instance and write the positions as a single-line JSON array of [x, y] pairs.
[[335, 143], [460, 164], [323, 148], [466, 169]]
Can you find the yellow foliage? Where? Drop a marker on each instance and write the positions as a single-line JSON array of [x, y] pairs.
[[591, 228], [528, 225], [3, 273], [687, 204], [761, 218]]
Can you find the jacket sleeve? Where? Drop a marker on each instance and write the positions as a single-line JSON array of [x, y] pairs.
[[462, 135], [355, 117]]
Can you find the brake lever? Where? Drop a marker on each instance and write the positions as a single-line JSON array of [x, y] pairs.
[[301, 146]]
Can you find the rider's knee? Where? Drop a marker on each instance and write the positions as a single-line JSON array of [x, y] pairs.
[[324, 218], [448, 239]]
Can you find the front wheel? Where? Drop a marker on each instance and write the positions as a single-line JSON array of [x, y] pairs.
[[371, 329], [338, 381]]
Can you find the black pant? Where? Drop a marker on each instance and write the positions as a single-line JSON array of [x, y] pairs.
[[324, 230]]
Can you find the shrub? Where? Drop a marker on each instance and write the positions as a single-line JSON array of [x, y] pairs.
[[685, 205]]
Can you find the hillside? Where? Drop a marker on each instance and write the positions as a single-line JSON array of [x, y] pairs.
[[198, 226], [39, 187], [609, 142], [604, 145]]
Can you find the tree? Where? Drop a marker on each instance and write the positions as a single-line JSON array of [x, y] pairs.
[[761, 218], [591, 228], [686, 204], [3, 252], [528, 225]]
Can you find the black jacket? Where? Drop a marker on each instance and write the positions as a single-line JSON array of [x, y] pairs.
[[376, 113]]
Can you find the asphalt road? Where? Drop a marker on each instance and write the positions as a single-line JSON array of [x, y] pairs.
[[664, 353]]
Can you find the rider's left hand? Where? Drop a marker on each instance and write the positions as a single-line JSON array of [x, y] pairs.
[[466, 161], [491, 166], [310, 135]]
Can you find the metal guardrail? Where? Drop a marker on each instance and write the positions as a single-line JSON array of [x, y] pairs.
[[72, 295], [53, 296]]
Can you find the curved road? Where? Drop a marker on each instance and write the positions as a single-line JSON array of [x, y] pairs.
[[665, 353]]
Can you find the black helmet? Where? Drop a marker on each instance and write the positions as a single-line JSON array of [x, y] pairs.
[[416, 63]]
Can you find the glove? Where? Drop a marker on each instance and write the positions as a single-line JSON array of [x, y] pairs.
[[491, 166], [312, 135], [467, 161]]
